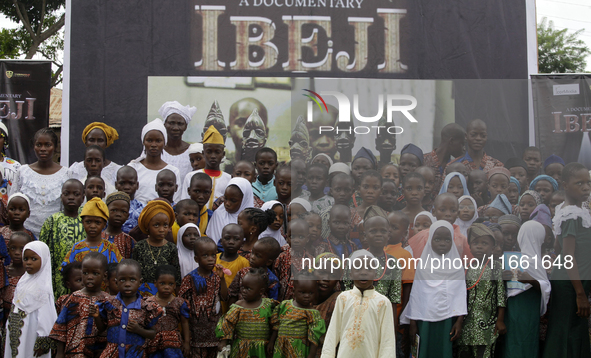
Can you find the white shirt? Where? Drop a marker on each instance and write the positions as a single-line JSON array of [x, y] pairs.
[[147, 182], [219, 185]]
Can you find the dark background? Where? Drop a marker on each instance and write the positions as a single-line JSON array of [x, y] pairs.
[[116, 45]]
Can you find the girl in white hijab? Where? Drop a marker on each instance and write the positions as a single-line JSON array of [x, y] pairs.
[[186, 253], [228, 213], [528, 298], [272, 231], [32, 315], [438, 297], [465, 209]]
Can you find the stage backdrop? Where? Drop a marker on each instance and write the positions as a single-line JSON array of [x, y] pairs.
[[116, 45], [24, 104], [562, 108]]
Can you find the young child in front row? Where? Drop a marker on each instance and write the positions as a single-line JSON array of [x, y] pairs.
[[128, 319], [127, 182], [72, 276], [74, 331], [204, 288], [168, 342], [364, 312], [248, 315], [300, 324], [486, 298], [232, 239], [289, 263], [32, 314], [264, 252], [118, 204]]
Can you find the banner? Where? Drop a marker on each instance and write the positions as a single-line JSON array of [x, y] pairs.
[[382, 39], [562, 109], [24, 104]]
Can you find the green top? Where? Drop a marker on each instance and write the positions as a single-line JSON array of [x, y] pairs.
[[574, 227]]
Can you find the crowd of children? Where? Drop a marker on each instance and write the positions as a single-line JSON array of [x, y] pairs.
[[169, 256]]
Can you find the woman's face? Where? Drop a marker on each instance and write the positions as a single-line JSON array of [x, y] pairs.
[[96, 137], [44, 147], [154, 143], [175, 126]]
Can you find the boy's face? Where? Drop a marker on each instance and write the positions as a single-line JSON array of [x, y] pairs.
[[17, 211], [166, 285], [533, 160], [482, 246], [509, 232], [246, 171], [118, 213], [95, 188], [498, 184], [200, 192], [187, 214], [75, 281], [512, 193], [93, 274], [398, 228], [283, 184], [127, 183], [446, 209], [429, 179], [408, 163], [93, 225], [414, 191], [520, 174], [363, 277], [16, 245], [370, 189], [298, 234], [166, 186], [93, 162], [478, 181], [205, 255], [341, 190], [391, 172], [72, 195], [259, 257], [360, 166], [304, 292], [252, 288], [314, 226], [197, 161], [340, 218], [579, 185], [554, 170], [316, 180], [476, 136], [213, 153], [232, 239], [129, 280], [266, 165], [388, 196], [376, 231]]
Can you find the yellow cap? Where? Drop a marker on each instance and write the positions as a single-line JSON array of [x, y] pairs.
[[212, 136]]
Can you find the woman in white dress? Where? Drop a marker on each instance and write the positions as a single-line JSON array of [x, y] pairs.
[[100, 134], [42, 181], [32, 314], [150, 163], [176, 119]]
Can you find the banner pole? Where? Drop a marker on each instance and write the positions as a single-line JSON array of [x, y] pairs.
[[65, 133]]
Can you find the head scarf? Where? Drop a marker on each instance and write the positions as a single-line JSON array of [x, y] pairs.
[[276, 234], [153, 208], [110, 132], [499, 170], [548, 178], [367, 154], [212, 136], [553, 159], [303, 202], [516, 182], [222, 218], [464, 225], [510, 219], [449, 177], [118, 195], [195, 148], [413, 149], [537, 197], [339, 168], [515, 162], [95, 207], [172, 107], [323, 155], [479, 230], [427, 214], [530, 239], [502, 203], [19, 195], [437, 293], [155, 125], [542, 215], [373, 211], [36, 291], [186, 254], [4, 134]]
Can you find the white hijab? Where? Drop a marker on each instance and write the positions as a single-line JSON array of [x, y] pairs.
[[222, 218], [449, 177], [464, 225], [35, 291], [186, 255], [437, 293], [424, 213], [530, 239], [155, 125], [276, 234]]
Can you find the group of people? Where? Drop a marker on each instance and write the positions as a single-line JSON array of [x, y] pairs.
[[171, 256]]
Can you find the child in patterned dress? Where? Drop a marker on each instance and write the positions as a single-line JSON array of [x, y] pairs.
[[297, 326], [247, 324], [168, 342], [118, 204], [204, 288], [128, 319], [74, 331], [290, 262]]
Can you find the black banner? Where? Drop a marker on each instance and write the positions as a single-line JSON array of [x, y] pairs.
[[24, 104], [562, 108]]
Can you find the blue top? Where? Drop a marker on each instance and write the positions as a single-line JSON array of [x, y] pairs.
[[265, 192]]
